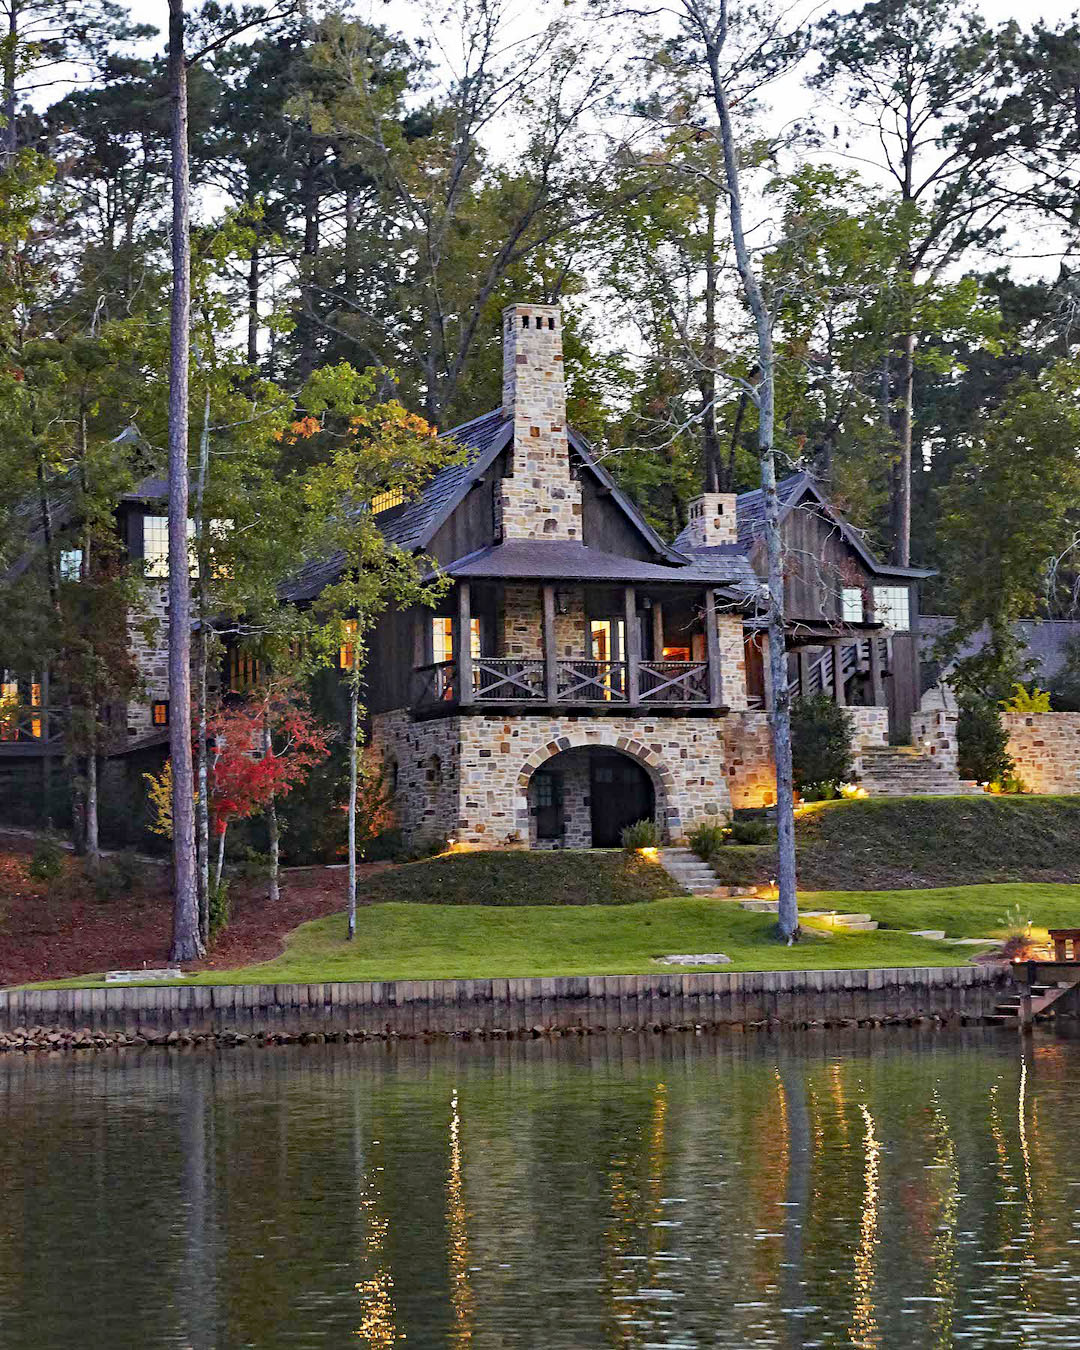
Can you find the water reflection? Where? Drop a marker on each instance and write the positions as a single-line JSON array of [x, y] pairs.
[[734, 1191]]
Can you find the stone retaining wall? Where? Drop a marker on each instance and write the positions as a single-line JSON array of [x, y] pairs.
[[1046, 749], [515, 1006]]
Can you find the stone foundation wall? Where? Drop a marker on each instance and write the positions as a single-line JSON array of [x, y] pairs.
[[732, 660], [871, 727], [1046, 749], [751, 775], [487, 761]]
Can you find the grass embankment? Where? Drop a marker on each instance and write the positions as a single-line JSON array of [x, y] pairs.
[[402, 941], [893, 843]]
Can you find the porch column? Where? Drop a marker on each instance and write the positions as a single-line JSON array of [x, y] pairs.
[[633, 647], [839, 696], [712, 650], [657, 630], [766, 670], [804, 673], [551, 672], [877, 684], [464, 644]]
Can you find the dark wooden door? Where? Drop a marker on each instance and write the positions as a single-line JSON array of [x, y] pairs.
[[549, 804], [620, 792]]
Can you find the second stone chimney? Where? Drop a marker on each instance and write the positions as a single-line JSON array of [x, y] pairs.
[[538, 499], [712, 520]]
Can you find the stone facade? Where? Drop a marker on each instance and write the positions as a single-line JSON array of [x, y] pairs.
[[751, 776], [732, 660], [538, 499], [711, 520], [934, 733], [487, 762], [871, 727], [522, 624], [1046, 750], [148, 634]]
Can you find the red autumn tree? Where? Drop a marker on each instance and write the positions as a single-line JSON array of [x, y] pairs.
[[262, 748]]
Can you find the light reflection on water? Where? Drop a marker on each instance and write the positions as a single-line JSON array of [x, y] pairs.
[[872, 1189]]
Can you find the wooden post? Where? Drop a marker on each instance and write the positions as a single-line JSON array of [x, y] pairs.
[[551, 668], [712, 650], [464, 644], [766, 669], [877, 684], [838, 674], [633, 647], [657, 631], [804, 673]]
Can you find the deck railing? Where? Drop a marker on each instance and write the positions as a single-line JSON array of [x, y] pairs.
[[517, 679]]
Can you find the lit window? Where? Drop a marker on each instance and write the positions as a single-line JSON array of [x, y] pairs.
[[155, 542], [347, 652], [383, 501], [9, 710], [676, 653], [35, 702], [892, 607], [852, 604], [71, 564], [442, 639], [159, 714]]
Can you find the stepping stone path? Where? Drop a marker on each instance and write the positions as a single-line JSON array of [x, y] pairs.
[[685, 868], [695, 959]]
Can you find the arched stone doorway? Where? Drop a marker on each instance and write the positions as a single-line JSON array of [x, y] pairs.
[[583, 796]]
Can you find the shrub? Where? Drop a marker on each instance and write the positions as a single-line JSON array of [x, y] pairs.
[[1019, 944], [108, 880], [982, 743], [1023, 700], [752, 832], [707, 838], [219, 907], [821, 737], [820, 792], [642, 834], [47, 862]]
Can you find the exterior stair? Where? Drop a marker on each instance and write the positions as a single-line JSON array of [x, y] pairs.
[[905, 771], [1042, 997], [685, 867], [850, 923]]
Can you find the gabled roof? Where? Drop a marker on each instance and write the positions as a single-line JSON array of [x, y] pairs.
[[791, 492]]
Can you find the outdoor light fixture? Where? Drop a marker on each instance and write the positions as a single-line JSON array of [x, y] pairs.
[[562, 601]]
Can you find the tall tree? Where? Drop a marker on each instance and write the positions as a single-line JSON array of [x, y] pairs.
[[915, 77], [186, 941]]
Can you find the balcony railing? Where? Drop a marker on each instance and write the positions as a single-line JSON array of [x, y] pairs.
[[518, 680]]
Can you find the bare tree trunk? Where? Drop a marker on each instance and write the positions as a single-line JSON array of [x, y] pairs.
[[780, 717], [354, 728], [253, 280], [904, 430], [274, 890], [186, 945], [202, 658], [707, 380], [220, 857], [10, 129], [93, 849]]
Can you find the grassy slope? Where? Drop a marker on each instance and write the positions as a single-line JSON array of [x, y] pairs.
[[891, 843], [406, 941]]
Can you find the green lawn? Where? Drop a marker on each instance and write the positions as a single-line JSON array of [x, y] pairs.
[[967, 911], [406, 942]]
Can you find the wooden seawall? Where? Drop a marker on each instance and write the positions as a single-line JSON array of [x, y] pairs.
[[516, 1006]]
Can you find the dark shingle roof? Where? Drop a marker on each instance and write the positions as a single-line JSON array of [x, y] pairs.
[[1047, 640], [566, 560], [411, 526]]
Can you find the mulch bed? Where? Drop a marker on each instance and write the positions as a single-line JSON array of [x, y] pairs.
[[51, 930]]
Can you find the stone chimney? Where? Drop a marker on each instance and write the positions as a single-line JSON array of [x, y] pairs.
[[712, 520], [537, 499]]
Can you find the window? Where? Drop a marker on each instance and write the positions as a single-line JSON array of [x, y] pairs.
[[155, 545], [71, 564], [852, 600], [348, 649], [384, 501], [159, 714], [9, 709], [892, 607], [442, 639]]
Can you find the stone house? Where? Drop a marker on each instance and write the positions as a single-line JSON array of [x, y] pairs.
[[582, 673]]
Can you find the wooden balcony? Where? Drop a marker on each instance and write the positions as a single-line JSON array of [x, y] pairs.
[[532, 683]]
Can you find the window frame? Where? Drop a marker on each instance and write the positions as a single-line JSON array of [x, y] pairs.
[[886, 611]]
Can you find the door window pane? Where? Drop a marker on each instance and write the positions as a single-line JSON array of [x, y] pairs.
[[892, 607]]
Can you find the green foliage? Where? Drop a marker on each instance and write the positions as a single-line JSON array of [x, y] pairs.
[[821, 740], [752, 832], [982, 742], [641, 834], [708, 837], [47, 861], [219, 907], [1023, 700]]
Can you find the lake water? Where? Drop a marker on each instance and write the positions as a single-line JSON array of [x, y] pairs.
[[883, 1188]]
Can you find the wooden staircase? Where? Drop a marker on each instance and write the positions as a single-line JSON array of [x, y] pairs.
[[1043, 996]]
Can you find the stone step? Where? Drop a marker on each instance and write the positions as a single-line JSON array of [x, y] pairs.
[[931, 934]]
